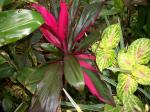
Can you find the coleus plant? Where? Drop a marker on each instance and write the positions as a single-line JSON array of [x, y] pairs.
[[73, 60], [129, 62]]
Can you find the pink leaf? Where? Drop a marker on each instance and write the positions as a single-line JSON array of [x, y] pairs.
[[90, 84], [63, 21], [48, 17], [87, 65], [86, 56], [50, 37]]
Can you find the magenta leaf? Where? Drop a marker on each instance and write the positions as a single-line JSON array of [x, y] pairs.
[[63, 21], [85, 56], [97, 87], [50, 37], [48, 17]]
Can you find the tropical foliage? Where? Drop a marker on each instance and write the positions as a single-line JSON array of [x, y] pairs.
[[74, 55]]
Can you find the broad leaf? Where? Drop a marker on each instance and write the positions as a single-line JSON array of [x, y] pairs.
[[141, 74], [126, 85], [109, 108], [2, 60], [125, 60], [72, 72], [119, 5], [23, 78], [97, 87], [105, 58], [46, 98], [16, 24], [23, 107], [49, 47], [88, 17], [111, 36], [140, 49], [6, 70], [131, 103]]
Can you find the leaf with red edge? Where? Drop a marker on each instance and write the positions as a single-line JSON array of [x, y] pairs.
[[63, 21], [73, 73], [50, 37], [97, 87], [88, 17], [46, 98], [85, 56], [87, 65], [48, 17]]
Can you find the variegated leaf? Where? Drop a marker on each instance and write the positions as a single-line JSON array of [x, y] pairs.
[[111, 36], [131, 103], [140, 49], [126, 85], [142, 74], [125, 60], [105, 58]]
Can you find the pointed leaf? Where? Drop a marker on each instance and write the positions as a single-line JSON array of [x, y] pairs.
[[46, 98], [6, 70], [141, 74], [50, 37], [88, 17], [126, 85], [105, 58], [16, 24], [63, 21], [131, 102], [85, 56], [73, 9], [72, 72], [140, 49], [86, 65], [50, 20], [97, 87], [125, 60], [111, 36]]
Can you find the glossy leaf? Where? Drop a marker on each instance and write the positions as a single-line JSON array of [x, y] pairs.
[[97, 87], [131, 102], [111, 36], [126, 85], [2, 60], [88, 17], [72, 72], [140, 49], [125, 60], [141, 74], [46, 98], [49, 47], [105, 58], [16, 24]]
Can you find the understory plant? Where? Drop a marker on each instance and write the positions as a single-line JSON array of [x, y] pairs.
[[71, 57], [130, 63]]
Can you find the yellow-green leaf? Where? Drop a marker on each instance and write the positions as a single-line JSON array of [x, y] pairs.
[[105, 58], [126, 85], [125, 60], [131, 103], [140, 49], [111, 36], [142, 74]]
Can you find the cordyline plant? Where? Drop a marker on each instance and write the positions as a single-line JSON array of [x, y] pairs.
[[74, 60]]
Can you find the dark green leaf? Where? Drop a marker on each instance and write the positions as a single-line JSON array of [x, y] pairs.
[[88, 41], [16, 24], [73, 9], [46, 98], [6, 70], [22, 107], [73, 73], [88, 17]]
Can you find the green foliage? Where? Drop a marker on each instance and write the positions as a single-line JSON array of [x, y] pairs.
[[16, 24]]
